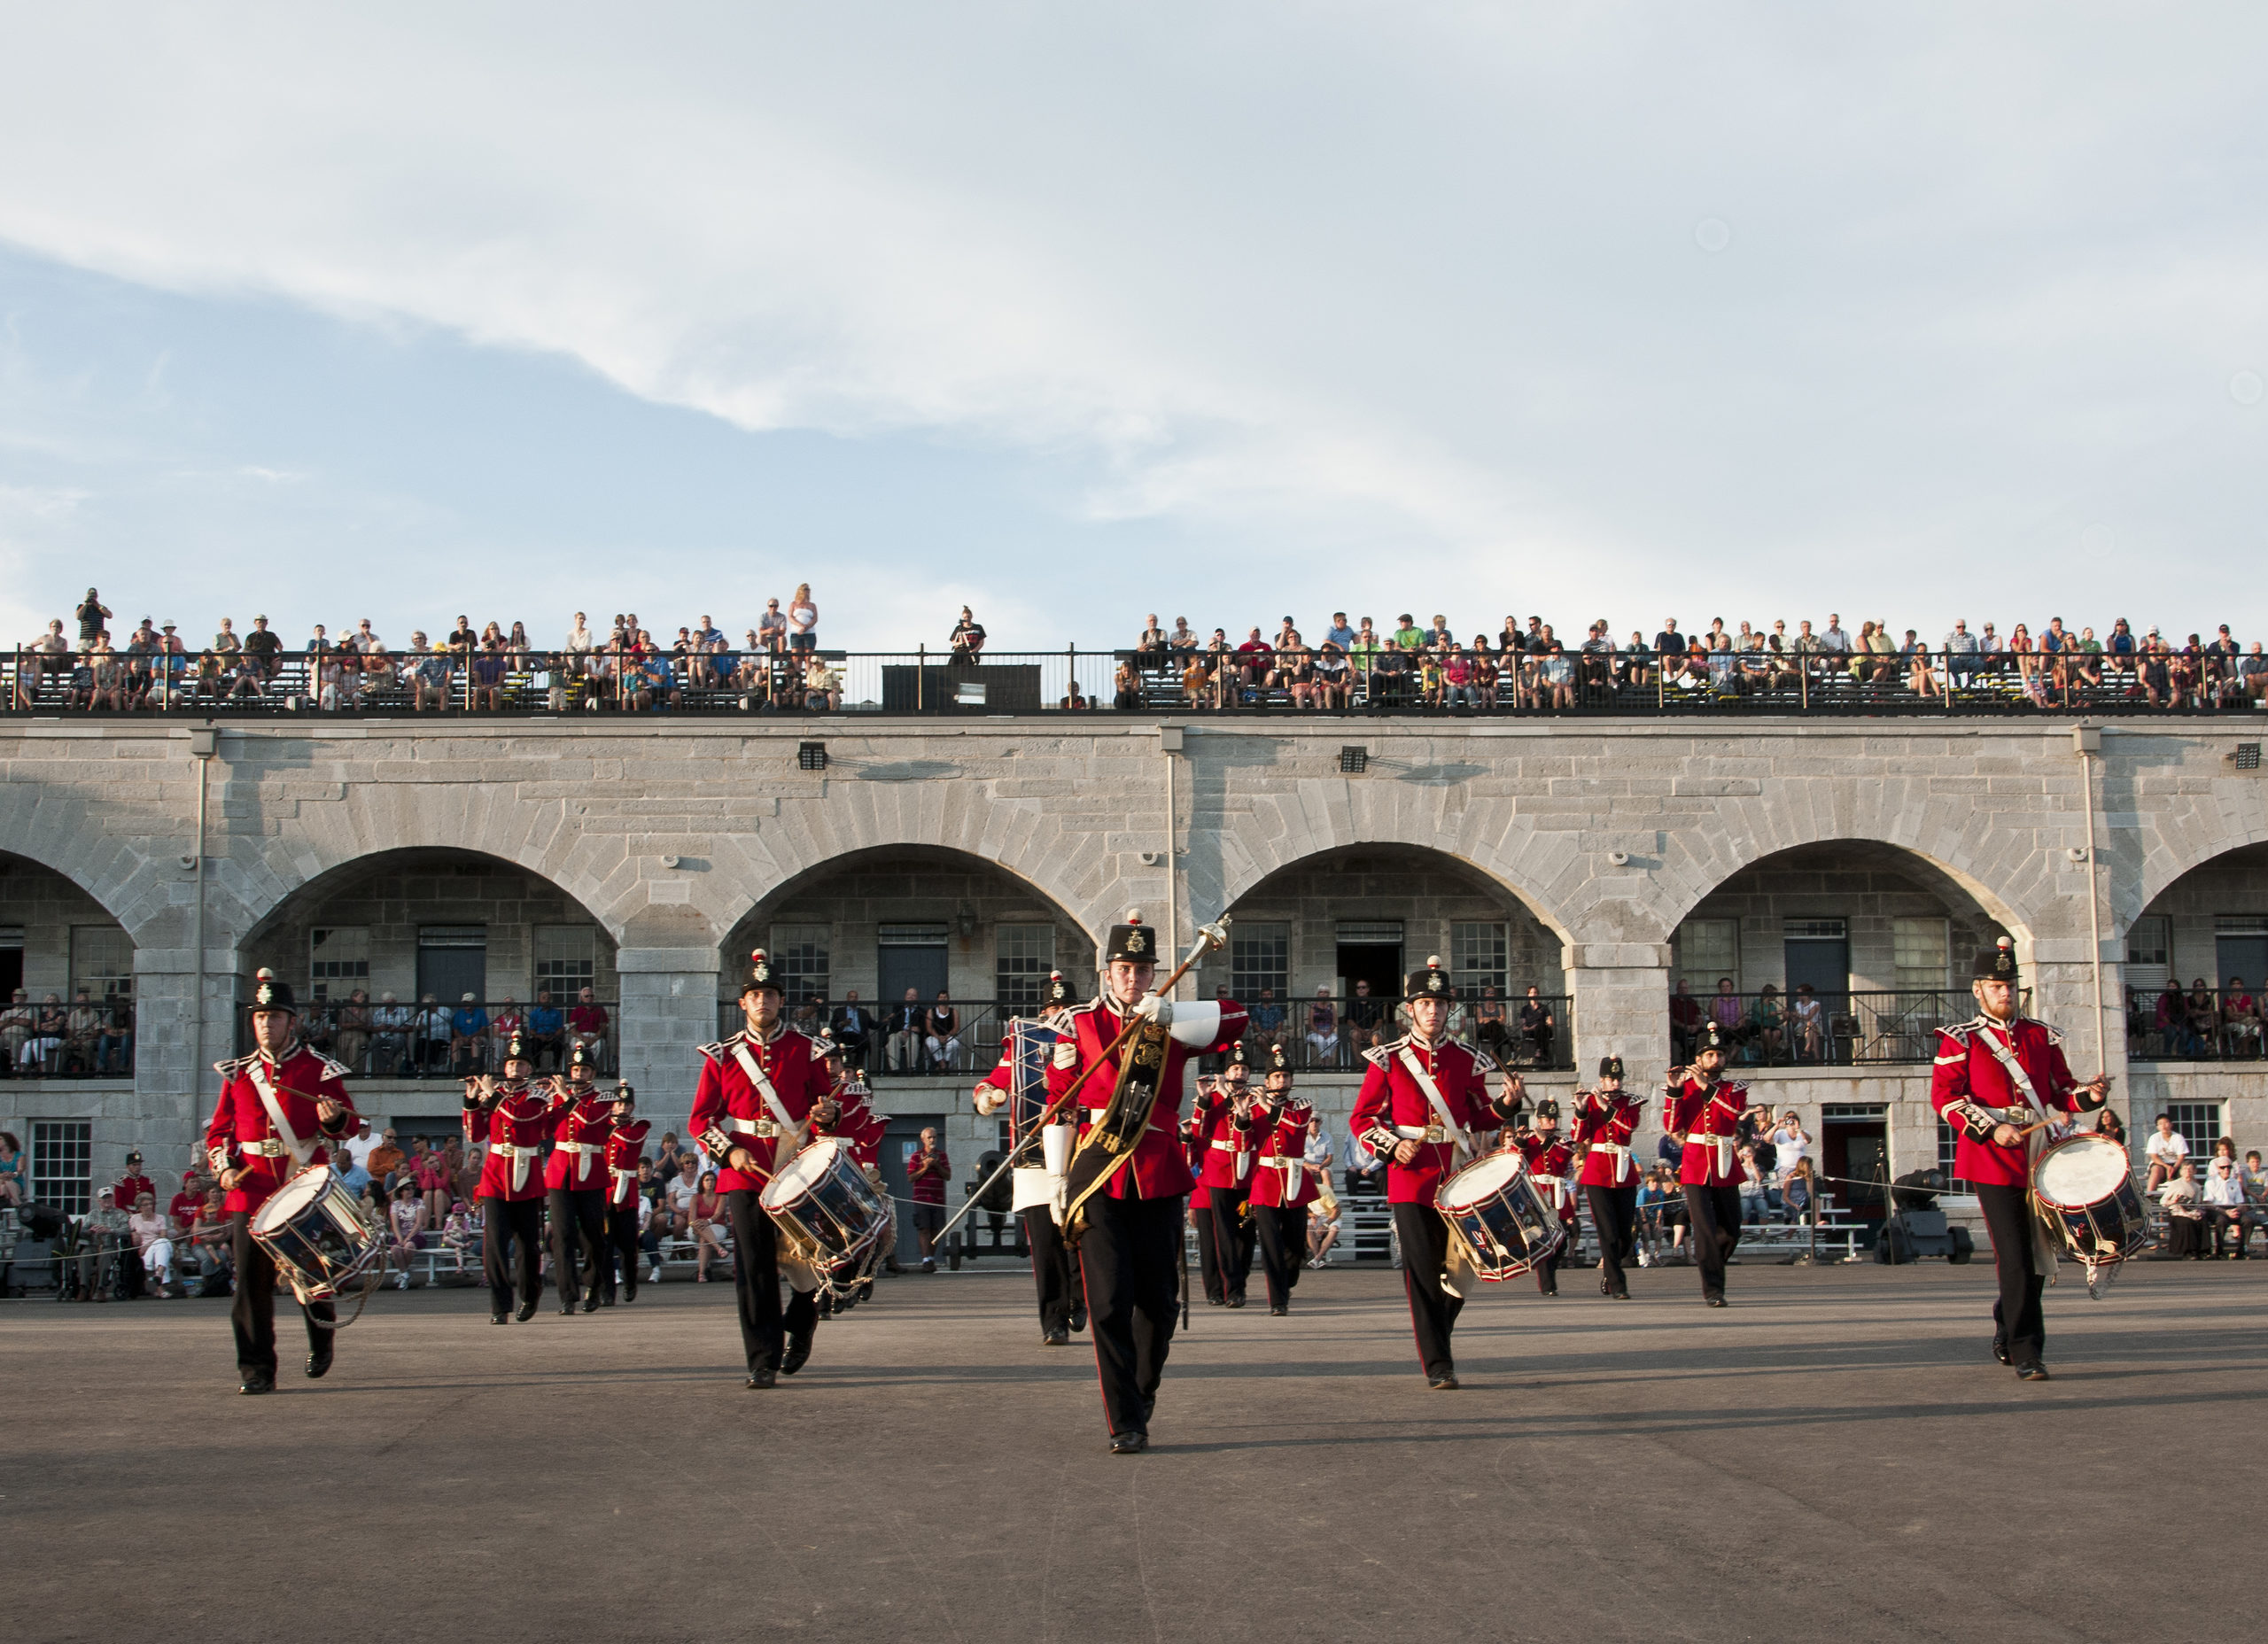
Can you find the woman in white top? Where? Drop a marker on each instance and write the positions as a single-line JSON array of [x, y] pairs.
[[153, 1238], [803, 620], [2165, 1151], [1791, 1146]]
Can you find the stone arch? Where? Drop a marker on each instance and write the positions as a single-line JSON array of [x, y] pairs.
[[2229, 888], [130, 876]]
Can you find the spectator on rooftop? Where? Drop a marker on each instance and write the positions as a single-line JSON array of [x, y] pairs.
[[1126, 686], [1183, 642], [1151, 650], [1339, 633], [1074, 701], [967, 639], [803, 620], [1834, 639], [1669, 642], [92, 614], [820, 691]]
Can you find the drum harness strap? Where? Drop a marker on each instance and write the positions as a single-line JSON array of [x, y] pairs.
[[788, 1129], [2043, 1249], [1415, 1069], [258, 1073]]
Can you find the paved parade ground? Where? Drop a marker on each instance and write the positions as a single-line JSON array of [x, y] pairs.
[[1833, 1456]]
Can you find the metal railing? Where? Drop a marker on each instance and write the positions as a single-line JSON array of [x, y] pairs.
[[926, 682], [2194, 1025], [444, 1042], [1328, 1034], [969, 1047], [80, 1040], [1843, 1030]]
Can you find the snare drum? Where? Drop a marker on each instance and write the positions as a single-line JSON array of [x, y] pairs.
[[314, 1231], [1500, 1212], [2083, 1186], [825, 1206]]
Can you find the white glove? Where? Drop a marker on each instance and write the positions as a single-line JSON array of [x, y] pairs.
[[989, 1100], [1156, 1008]]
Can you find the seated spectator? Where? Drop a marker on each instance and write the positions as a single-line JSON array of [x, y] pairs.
[[2165, 1151], [821, 694], [1126, 686], [406, 1220], [213, 1239], [11, 1168], [80, 1026], [711, 1235], [352, 1040], [44, 1054], [2184, 1214], [1075, 701], [1796, 1194], [1807, 1019], [352, 1174], [1322, 1225], [1766, 1026], [153, 1242], [940, 1032], [468, 1038], [506, 1020], [587, 1026], [1265, 1022], [1323, 1030], [1539, 1026], [1751, 1189], [2222, 1196], [2239, 1022], [680, 1191], [1366, 1018], [1365, 1170]]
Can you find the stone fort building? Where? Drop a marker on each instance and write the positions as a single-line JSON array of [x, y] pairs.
[[157, 864]]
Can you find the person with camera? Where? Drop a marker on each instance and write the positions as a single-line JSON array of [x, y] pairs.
[[280, 1110]]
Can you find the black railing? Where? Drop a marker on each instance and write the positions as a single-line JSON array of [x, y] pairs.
[[2194, 1025], [1843, 1030], [82, 1040], [922, 682], [969, 1044], [430, 1039], [1328, 1033]]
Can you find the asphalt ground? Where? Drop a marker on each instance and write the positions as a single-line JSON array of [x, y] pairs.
[[1834, 1455]]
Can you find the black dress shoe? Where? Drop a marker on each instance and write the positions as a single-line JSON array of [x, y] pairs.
[[1057, 1338], [629, 1294], [763, 1375], [1713, 1301], [319, 1362], [606, 1301], [1621, 1295], [567, 1311], [1235, 1301], [256, 1384], [1444, 1382], [526, 1311], [1606, 1289], [499, 1318], [2001, 1350], [1078, 1320], [1552, 1293], [1215, 1301], [798, 1353], [2031, 1370], [590, 1304], [1278, 1312], [1129, 1444]]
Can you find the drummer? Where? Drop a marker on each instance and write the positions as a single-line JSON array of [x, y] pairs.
[[1422, 1098], [1998, 1076], [764, 1094], [1548, 1156], [277, 1108]]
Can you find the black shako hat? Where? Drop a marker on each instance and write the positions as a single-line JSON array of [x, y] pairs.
[[516, 1049], [1997, 964], [760, 974], [580, 1056], [1433, 982], [1057, 992], [1280, 1061], [623, 1092], [267, 993], [1133, 942], [1609, 1067], [1716, 1036]]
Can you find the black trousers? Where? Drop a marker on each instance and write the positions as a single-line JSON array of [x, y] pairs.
[[756, 1284], [1614, 1217], [254, 1313], [504, 1224], [1209, 1254], [1129, 1260], [1283, 1236], [621, 1245], [1432, 1310], [1232, 1242], [577, 1230], [1054, 1268], [1714, 1215], [2018, 1322]]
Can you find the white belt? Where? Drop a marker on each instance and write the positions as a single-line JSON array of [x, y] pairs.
[[1243, 1153], [1620, 1155], [585, 1148], [763, 1129], [264, 1150], [519, 1156], [1421, 1133], [1724, 1145]]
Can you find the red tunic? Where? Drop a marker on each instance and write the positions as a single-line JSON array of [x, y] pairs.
[[1969, 1077], [519, 1123], [1548, 1162], [1392, 1108], [578, 1161], [1160, 1169], [624, 1145], [1603, 1125], [241, 1135], [130, 1189], [1283, 1177], [1224, 1146], [729, 1110], [860, 1125], [1708, 1116]]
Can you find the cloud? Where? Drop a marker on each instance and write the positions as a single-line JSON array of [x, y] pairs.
[[1353, 281]]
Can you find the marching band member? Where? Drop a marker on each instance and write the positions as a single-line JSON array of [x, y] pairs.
[[518, 1120], [1605, 1119], [1039, 1186], [1996, 1076], [1423, 1096], [1200, 1201], [277, 1108], [1550, 1157], [863, 1129], [1129, 1232], [1285, 1184], [626, 1140], [1701, 1111], [1226, 1146], [575, 1184], [764, 1093]]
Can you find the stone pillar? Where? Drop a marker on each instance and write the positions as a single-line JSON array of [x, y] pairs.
[[1620, 994], [173, 1091], [668, 1008]]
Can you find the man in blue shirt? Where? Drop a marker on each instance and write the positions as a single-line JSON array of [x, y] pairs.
[[1339, 633], [468, 1033], [546, 1027]]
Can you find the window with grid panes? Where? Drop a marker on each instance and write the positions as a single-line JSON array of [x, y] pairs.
[[1920, 954], [338, 961], [1259, 955], [1479, 957], [1706, 950], [2199, 1124], [566, 960], [1946, 1143], [1022, 955], [799, 955], [63, 1164], [102, 962]]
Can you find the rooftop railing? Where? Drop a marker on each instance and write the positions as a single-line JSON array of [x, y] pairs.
[[824, 684]]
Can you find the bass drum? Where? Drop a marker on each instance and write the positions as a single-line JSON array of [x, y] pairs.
[[2083, 1188], [1505, 1218]]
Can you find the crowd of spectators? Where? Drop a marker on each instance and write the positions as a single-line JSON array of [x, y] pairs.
[[388, 1039], [49, 1039], [1524, 665]]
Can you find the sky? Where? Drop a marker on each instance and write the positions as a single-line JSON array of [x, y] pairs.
[[1077, 314]]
